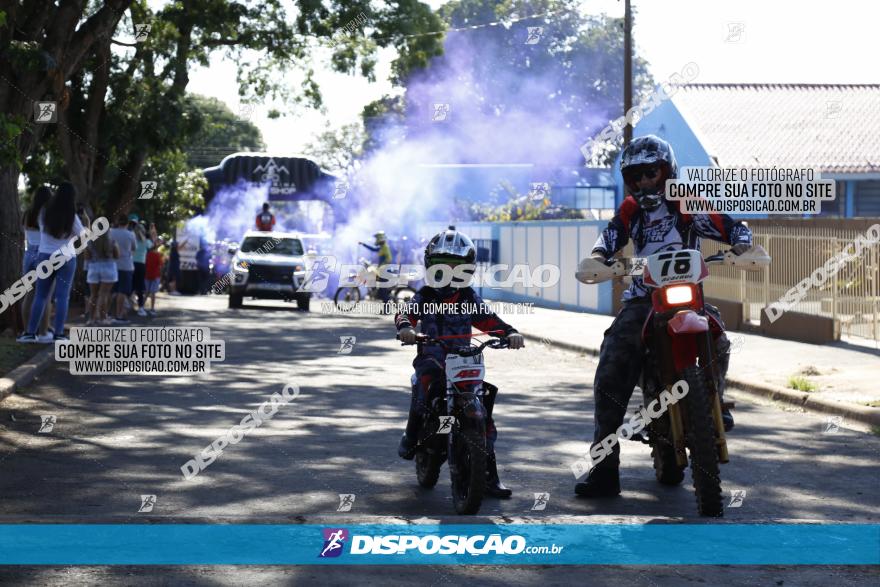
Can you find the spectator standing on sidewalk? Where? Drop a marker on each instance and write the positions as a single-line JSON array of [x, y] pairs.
[[142, 245], [58, 225], [31, 224], [153, 274], [101, 276], [80, 283], [173, 268], [203, 266], [125, 241]]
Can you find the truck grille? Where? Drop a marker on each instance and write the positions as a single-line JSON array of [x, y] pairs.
[[269, 274]]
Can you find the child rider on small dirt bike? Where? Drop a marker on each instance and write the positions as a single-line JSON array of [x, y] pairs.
[[450, 248]]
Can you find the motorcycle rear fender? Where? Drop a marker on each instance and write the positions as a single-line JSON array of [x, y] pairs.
[[687, 322], [683, 329]]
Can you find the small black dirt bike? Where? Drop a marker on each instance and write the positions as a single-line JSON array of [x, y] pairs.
[[454, 422]]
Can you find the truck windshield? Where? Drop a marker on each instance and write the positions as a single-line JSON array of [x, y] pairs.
[[268, 245]]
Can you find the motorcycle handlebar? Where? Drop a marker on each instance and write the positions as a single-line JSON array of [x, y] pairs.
[[501, 342]]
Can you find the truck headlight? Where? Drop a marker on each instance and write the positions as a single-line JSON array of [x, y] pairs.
[[241, 265]]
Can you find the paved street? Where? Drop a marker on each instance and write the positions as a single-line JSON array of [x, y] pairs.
[[116, 439]]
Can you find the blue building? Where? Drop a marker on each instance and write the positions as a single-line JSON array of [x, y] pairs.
[[834, 129]]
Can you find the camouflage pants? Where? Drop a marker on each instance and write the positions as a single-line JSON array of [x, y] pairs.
[[620, 364]]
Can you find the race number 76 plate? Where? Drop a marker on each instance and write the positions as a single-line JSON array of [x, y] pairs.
[[676, 267]]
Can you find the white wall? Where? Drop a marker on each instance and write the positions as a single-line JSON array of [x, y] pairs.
[[557, 242]]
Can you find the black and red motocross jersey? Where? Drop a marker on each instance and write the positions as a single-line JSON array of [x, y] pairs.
[[664, 229]]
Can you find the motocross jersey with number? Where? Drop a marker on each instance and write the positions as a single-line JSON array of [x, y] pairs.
[[664, 229]]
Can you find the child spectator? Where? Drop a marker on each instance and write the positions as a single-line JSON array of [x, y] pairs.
[[153, 275]]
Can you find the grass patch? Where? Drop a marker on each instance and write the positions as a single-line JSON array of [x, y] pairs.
[[801, 383], [875, 430], [13, 354], [873, 404]]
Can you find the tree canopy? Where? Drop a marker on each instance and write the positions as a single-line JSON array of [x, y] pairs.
[[543, 64], [122, 107]]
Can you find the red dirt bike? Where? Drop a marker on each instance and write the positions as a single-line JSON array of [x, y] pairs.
[[679, 338]]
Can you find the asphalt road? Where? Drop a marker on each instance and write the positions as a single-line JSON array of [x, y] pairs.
[[117, 438]]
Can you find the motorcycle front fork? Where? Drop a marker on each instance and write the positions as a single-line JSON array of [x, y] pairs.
[[475, 419], [674, 411]]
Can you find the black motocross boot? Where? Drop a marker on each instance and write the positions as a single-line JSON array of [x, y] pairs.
[[407, 447], [410, 439], [494, 486], [723, 353], [727, 418], [600, 482]]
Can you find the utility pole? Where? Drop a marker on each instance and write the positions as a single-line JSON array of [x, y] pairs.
[[627, 70]]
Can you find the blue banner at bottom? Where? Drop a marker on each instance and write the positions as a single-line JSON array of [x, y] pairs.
[[375, 544]]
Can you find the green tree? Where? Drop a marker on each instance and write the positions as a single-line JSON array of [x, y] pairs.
[[221, 132], [179, 190], [384, 122], [119, 108], [338, 149], [42, 46], [575, 64], [570, 81], [514, 206]]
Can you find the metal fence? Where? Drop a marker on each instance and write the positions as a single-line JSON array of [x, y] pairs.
[[851, 298]]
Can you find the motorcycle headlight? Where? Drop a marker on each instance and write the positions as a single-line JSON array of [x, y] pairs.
[[241, 265], [679, 294]]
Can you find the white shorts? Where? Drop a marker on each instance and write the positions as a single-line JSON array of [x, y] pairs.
[[102, 272]]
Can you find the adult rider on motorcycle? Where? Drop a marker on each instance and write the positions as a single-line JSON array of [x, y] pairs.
[[450, 248], [654, 224]]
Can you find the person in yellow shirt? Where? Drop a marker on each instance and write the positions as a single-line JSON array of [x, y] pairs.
[[381, 247]]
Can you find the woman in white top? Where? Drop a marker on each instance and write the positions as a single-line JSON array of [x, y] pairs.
[[58, 225], [31, 225]]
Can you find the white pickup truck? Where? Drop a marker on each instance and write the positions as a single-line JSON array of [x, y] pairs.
[[269, 265]]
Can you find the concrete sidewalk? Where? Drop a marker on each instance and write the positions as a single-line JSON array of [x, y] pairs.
[[848, 378]]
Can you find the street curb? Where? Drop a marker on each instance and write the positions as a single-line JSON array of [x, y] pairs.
[[862, 414], [25, 373], [563, 345]]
